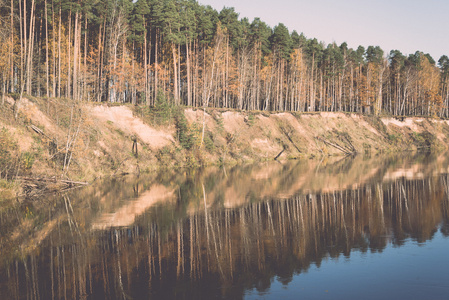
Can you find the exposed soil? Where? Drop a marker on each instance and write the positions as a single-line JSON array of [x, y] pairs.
[[101, 137], [122, 118]]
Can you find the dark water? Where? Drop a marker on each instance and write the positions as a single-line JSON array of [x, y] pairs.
[[361, 228]]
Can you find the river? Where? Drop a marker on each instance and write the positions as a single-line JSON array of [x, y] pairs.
[[337, 228]]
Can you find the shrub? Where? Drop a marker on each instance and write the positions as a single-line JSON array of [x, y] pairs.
[[162, 110], [393, 137], [424, 139], [251, 120], [183, 133], [26, 160], [9, 154], [161, 113], [220, 124], [209, 141], [8, 190], [12, 161]]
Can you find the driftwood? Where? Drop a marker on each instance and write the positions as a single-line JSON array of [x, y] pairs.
[[37, 187], [44, 183], [69, 183]]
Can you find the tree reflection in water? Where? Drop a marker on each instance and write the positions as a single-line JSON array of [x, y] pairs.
[[214, 234]]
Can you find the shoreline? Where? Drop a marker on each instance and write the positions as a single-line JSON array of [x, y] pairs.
[[78, 142]]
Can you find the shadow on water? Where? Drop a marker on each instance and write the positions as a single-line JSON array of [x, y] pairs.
[[218, 232]]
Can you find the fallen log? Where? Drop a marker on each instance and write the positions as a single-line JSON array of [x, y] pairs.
[[39, 131], [350, 144], [290, 139], [74, 182], [338, 147], [277, 156], [348, 149]]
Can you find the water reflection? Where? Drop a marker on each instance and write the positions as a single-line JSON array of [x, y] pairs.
[[217, 233]]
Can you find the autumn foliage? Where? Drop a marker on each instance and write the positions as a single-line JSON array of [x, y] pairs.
[[126, 51]]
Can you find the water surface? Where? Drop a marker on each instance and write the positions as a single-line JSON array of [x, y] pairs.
[[356, 228]]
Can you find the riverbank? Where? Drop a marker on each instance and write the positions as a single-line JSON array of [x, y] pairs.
[[79, 142]]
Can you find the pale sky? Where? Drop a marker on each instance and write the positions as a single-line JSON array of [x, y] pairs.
[[406, 25]]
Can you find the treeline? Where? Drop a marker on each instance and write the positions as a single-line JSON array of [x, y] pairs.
[[120, 51]]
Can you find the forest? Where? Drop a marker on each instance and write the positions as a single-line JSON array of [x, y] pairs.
[[134, 51]]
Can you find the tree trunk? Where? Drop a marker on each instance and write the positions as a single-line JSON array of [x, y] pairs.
[[156, 66], [98, 89], [189, 88], [69, 57], [22, 14], [179, 75], [76, 42], [53, 92], [46, 53], [12, 89], [145, 68], [84, 79], [59, 53], [175, 71]]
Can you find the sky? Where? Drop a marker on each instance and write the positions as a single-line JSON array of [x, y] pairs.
[[405, 25]]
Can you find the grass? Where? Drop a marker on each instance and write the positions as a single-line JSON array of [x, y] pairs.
[[8, 190], [393, 137]]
